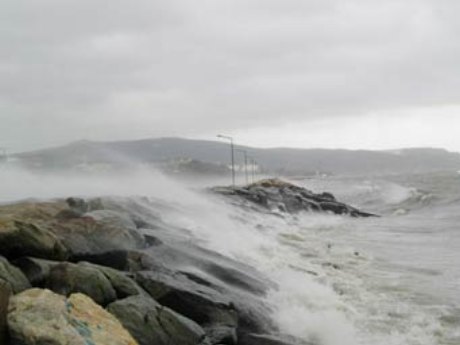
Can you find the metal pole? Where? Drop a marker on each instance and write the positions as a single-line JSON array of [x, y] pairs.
[[232, 155], [246, 167], [233, 162], [245, 164]]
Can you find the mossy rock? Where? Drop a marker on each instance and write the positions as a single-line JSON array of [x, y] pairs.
[[150, 323], [41, 317], [13, 276]]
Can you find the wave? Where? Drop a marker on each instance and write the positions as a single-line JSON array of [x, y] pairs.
[[325, 288]]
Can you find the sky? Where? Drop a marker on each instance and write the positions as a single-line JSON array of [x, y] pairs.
[[358, 74]]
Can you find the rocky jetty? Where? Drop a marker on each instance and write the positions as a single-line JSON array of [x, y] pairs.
[[108, 271], [281, 196]]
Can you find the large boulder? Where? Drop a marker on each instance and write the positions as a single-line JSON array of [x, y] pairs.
[[150, 323], [98, 232], [21, 238], [279, 195], [270, 339], [123, 285], [5, 293], [200, 303], [41, 317], [66, 278], [13, 276], [36, 270]]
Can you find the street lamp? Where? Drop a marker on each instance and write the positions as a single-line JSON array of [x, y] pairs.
[[232, 155], [253, 169], [245, 164]]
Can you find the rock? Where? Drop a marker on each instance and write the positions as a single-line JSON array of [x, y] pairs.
[[13, 276], [268, 339], [222, 335], [41, 317], [278, 195], [334, 207], [122, 284], [78, 205], [36, 270], [123, 260], [150, 323], [207, 270], [200, 303], [5, 293], [98, 232], [67, 278], [19, 238]]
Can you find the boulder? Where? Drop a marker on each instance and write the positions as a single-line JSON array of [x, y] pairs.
[[36, 270], [98, 232], [123, 285], [270, 339], [150, 323], [278, 195], [41, 317], [13, 276], [21, 238], [201, 303], [67, 278], [5, 293]]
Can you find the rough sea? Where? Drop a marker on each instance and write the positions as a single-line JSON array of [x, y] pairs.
[[392, 280]]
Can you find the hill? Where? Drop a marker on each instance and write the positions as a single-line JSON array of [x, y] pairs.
[[166, 152]]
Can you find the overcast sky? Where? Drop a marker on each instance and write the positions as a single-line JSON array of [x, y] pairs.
[[327, 73]]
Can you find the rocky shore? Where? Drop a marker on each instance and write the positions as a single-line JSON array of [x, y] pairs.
[[108, 271], [281, 196]]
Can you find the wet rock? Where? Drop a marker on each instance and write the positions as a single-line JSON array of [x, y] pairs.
[[78, 205], [240, 283], [5, 293], [39, 317], [19, 238], [278, 195], [36, 270], [222, 335], [67, 278], [121, 283], [123, 260], [150, 323], [98, 232], [13, 276], [200, 303], [268, 339]]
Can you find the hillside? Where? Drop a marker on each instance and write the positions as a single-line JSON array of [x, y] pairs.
[[108, 155]]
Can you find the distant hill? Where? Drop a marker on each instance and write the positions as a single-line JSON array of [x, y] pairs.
[[83, 155]]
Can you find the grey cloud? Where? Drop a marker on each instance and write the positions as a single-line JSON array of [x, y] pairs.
[[104, 69]]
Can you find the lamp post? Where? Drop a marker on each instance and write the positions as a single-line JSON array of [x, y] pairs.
[[245, 164], [232, 155]]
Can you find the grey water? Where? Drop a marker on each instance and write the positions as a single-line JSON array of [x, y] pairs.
[[392, 280], [413, 252]]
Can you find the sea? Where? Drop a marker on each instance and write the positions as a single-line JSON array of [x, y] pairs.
[[388, 280], [391, 280]]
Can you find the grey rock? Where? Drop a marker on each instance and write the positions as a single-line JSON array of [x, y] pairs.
[[270, 339], [13, 276], [150, 323], [200, 303], [5, 293], [18, 238], [98, 232], [275, 194], [68, 278], [36, 270]]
